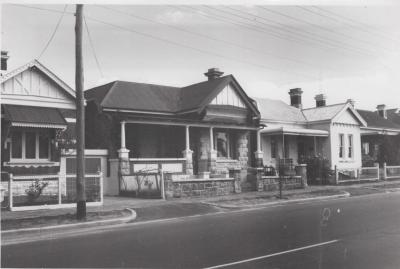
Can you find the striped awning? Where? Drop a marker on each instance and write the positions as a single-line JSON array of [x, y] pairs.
[[35, 117]]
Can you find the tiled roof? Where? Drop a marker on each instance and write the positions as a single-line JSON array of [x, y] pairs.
[[394, 115], [323, 112], [279, 111], [374, 120], [157, 98]]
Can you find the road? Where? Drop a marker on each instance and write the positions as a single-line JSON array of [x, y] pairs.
[[361, 232]]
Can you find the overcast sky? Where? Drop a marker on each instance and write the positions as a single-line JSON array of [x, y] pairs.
[[342, 51]]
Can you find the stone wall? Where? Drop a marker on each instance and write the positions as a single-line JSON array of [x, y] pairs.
[[271, 183], [198, 188]]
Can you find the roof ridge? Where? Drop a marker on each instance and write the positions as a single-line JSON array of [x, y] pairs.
[[324, 106]]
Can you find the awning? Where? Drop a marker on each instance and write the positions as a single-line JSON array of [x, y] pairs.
[[36, 117], [294, 131]]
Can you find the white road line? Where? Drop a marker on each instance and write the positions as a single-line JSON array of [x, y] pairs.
[[272, 255]]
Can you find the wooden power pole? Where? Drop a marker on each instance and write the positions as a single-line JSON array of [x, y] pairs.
[[80, 118]]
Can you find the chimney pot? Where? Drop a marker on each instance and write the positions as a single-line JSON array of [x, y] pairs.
[[4, 58], [320, 100], [382, 110], [352, 102], [295, 97], [213, 73]]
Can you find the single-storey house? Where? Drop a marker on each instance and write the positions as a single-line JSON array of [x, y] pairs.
[[203, 131], [329, 131], [380, 139], [37, 120]]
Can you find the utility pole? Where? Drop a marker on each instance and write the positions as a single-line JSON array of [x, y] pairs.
[[80, 116]]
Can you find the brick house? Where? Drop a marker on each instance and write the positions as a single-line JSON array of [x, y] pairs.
[[198, 133]]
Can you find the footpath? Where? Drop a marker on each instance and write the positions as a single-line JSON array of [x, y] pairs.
[[28, 226]]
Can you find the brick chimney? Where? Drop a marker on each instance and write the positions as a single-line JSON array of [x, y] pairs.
[[382, 110], [213, 73], [320, 100], [4, 58], [295, 97]]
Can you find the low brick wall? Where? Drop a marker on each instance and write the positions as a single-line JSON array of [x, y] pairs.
[[199, 188], [269, 183]]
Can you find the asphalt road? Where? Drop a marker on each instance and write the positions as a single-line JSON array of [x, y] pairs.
[[361, 232]]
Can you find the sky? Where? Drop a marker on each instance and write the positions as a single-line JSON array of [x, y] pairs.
[[345, 52]]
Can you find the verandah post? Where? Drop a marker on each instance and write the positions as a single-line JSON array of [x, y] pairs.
[[10, 192]]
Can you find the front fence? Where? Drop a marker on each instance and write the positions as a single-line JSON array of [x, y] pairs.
[[354, 175], [391, 172], [31, 192]]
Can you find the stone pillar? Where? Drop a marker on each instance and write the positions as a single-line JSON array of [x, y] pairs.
[[259, 154], [203, 150], [123, 152], [237, 180], [301, 170], [242, 149], [259, 180], [187, 153], [212, 154]]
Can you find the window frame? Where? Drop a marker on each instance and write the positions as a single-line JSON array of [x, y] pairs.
[[350, 146], [274, 148], [229, 152], [23, 148], [342, 147]]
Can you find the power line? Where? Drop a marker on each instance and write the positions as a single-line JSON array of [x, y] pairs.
[[320, 27], [211, 38], [54, 32], [322, 40], [330, 18], [367, 30], [194, 48], [92, 46]]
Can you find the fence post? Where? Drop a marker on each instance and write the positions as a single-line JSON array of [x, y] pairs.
[[336, 175], [162, 183], [59, 188], [10, 193], [384, 171], [377, 170], [101, 186]]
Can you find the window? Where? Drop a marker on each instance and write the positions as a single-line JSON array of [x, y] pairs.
[[222, 142], [350, 152], [273, 148], [30, 145], [341, 145], [365, 148]]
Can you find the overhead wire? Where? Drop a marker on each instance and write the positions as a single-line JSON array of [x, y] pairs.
[[92, 47], [53, 33], [211, 38]]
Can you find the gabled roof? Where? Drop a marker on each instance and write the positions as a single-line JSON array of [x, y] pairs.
[[277, 110], [322, 113], [36, 64], [375, 121], [329, 112], [162, 99]]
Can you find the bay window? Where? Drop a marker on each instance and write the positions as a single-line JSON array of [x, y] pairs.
[[30, 145]]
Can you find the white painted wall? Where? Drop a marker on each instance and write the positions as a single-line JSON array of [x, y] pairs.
[[346, 129], [32, 88]]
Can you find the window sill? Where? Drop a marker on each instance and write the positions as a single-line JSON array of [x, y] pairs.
[[33, 163], [346, 161]]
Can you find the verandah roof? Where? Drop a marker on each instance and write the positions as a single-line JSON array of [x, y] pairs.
[[294, 131], [39, 117]]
